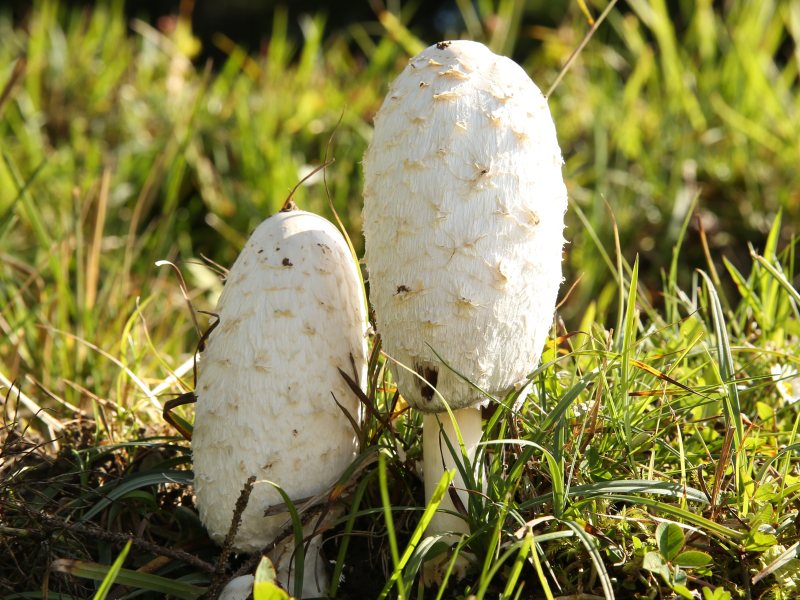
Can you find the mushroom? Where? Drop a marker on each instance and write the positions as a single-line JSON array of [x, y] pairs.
[[270, 396], [463, 220], [238, 588]]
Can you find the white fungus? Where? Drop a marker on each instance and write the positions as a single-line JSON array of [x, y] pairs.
[[464, 206], [238, 588], [291, 314]]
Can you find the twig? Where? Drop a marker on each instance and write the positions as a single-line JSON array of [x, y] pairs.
[[121, 539], [580, 47], [218, 578]]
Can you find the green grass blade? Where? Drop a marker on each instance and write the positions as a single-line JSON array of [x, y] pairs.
[[134, 482], [597, 560], [111, 576], [129, 578], [732, 405], [390, 532], [722, 532], [628, 335]]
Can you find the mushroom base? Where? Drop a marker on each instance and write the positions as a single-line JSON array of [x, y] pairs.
[[437, 458]]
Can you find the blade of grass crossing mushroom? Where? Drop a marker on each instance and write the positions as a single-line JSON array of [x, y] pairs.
[[390, 532], [419, 531], [731, 405], [464, 465], [467, 464], [299, 549]]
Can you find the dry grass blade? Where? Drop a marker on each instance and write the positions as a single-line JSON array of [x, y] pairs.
[[16, 75], [40, 413], [575, 53]]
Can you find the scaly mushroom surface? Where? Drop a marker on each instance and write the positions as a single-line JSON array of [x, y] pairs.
[[463, 220], [291, 314]]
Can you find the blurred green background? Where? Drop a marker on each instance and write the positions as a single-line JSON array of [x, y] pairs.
[[130, 136]]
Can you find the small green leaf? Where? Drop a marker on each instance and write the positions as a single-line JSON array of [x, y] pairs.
[[654, 562], [716, 594], [264, 586], [683, 591], [758, 541], [670, 540], [265, 571], [693, 559]]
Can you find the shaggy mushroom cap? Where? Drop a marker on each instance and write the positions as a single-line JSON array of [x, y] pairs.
[[463, 215], [291, 314]]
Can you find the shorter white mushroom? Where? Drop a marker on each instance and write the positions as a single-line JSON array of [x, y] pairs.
[[270, 396]]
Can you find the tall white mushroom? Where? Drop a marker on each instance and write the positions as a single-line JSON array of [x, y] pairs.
[[291, 314], [464, 207]]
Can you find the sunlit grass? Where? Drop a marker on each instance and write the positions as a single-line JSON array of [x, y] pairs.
[[656, 450]]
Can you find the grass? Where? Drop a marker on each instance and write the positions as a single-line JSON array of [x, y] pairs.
[[656, 454]]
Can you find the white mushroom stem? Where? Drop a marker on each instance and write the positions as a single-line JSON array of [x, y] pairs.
[[437, 458], [284, 558]]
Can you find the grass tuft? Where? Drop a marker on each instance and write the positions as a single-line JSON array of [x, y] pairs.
[[655, 451]]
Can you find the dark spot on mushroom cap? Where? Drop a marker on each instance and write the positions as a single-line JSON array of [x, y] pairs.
[[401, 289], [289, 205], [431, 375], [261, 251], [442, 45], [287, 263]]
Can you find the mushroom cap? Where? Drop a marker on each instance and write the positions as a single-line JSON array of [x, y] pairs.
[[238, 588], [463, 220], [291, 314]]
